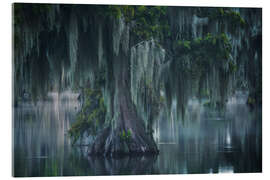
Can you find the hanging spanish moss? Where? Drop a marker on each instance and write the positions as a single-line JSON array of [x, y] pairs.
[[130, 63]]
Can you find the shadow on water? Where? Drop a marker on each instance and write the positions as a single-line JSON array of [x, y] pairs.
[[206, 142]]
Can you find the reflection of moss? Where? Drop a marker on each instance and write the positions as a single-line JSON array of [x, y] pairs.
[[51, 168]]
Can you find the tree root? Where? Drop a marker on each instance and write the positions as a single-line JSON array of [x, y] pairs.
[[111, 143]]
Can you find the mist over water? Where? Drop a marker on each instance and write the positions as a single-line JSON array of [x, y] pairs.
[[206, 141], [212, 142]]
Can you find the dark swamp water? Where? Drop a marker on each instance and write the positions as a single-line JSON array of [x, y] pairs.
[[206, 142]]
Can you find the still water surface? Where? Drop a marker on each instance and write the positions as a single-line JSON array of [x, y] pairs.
[[206, 142]]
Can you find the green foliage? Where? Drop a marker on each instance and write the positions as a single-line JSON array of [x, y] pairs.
[[117, 11], [114, 11], [129, 133], [232, 66], [197, 57], [206, 51], [228, 16], [125, 135], [149, 21], [184, 44], [92, 116]]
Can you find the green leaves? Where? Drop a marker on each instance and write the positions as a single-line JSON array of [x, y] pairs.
[[141, 10], [184, 44], [203, 53], [114, 11], [150, 21], [91, 117], [228, 16], [125, 135], [187, 44]]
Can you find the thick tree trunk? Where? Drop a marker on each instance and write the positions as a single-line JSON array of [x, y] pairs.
[[127, 133]]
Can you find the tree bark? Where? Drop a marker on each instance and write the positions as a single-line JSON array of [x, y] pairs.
[[127, 134]]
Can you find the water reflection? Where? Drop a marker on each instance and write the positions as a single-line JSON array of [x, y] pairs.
[[40, 134], [128, 165], [206, 142], [212, 142]]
